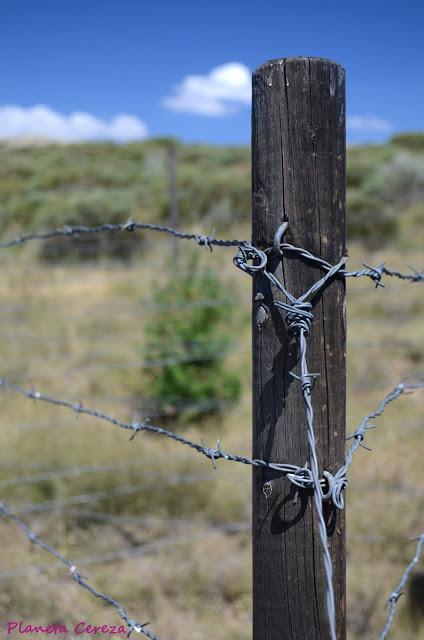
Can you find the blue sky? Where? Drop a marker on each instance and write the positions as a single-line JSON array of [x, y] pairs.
[[132, 57]]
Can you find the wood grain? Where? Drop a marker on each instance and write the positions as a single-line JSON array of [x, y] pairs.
[[298, 175]]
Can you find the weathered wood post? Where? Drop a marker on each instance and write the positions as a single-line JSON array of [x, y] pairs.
[[298, 176]]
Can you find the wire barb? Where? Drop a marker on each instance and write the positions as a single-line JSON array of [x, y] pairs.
[[299, 318], [129, 226], [293, 472], [73, 572], [399, 590]]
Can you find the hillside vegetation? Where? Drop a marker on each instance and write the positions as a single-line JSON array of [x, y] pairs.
[[79, 324], [90, 183]]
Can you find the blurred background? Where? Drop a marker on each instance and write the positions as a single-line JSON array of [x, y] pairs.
[[111, 111]]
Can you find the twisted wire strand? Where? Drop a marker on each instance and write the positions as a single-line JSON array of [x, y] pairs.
[[396, 594], [77, 230], [248, 252], [306, 384], [299, 476], [133, 625], [358, 437], [299, 318], [139, 550], [375, 273]]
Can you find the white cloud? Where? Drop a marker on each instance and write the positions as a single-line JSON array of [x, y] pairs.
[[369, 124], [40, 120], [218, 93]]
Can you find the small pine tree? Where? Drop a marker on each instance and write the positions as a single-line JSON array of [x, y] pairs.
[[186, 346]]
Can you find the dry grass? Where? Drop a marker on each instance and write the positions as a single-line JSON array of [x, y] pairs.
[[64, 330]]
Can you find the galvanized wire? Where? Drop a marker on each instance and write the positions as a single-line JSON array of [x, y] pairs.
[[78, 230], [133, 625], [159, 407], [375, 273], [396, 594], [299, 318], [339, 482], [138, 550], [300, 476]]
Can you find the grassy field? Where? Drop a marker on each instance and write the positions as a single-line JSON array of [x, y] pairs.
[[76, 330]]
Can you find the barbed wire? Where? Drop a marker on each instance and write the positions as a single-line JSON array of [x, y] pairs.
[[153, 546], [299, 476], [78, 230], [133, 625], [299, 317], [229, 528], [358, 437], [375, 273], [396, 594], [152, 408]]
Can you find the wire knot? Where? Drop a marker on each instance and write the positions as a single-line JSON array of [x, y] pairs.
[[302, 478], [247, 256], [299, 316], [336, 486]]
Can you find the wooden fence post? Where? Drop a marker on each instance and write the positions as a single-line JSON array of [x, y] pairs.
[[298, 176]]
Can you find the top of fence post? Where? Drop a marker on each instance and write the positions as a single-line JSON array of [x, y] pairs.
[[298, 176]]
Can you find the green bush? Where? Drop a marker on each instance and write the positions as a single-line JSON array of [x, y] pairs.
[[87, 184], [186, 344], [368, 220], [90, 209], [413, 141], [43, 187]]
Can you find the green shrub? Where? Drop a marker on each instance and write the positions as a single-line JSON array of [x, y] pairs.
[[90, 209], [86, 184], [413, 141], [368, 219], [186, 345]]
